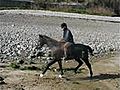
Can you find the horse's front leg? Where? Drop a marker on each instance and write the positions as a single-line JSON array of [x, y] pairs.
[[60, 66], [47, 67]]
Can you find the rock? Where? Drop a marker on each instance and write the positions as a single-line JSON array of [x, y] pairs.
[[2, 82], [20, 61], [1, 78], [13, 25]]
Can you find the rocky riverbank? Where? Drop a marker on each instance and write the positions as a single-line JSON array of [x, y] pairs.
[[19, 33]]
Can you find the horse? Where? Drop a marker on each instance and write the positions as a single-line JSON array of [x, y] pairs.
[[80, 53]]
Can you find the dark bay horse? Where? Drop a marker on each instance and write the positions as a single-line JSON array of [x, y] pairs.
[[80, 53]]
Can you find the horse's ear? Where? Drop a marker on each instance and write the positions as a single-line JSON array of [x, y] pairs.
[[40, 36]]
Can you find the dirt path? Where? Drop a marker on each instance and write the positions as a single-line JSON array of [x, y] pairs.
[[106, 77]]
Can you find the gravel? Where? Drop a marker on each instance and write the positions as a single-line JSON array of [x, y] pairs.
[[19, 31]]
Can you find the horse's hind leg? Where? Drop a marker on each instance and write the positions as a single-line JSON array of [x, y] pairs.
[[60, 66], [89, 66], [48, 65], [80, 64]]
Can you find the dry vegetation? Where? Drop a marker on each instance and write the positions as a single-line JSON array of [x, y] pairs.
[[99, 7]]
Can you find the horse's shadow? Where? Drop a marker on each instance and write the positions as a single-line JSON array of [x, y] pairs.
[[97, 77], [73, 69], [106, 76]]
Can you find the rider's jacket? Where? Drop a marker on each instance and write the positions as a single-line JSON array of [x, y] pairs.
[[67, 35]]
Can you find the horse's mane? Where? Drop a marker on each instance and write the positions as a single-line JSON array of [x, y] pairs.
[[53, 41]]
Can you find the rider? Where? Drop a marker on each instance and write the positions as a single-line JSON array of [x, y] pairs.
[[68, 38]]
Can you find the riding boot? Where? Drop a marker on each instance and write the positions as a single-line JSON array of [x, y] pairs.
[[67, 54], [68, 50]]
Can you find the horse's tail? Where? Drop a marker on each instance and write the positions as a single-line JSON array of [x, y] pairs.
[[90, 50]]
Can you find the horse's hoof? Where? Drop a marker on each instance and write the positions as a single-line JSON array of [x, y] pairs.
[[60, 76], [75, 72], [41, 75], [91, 77], [66, 61]]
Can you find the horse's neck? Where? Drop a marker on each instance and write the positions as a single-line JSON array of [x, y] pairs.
[[52, 43]]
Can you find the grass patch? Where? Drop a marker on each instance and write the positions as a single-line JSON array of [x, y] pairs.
[[14, 65], [76, 83], [24, 67], [30, 68]]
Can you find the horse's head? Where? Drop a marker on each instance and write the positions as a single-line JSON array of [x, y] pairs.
[[41, 41]]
